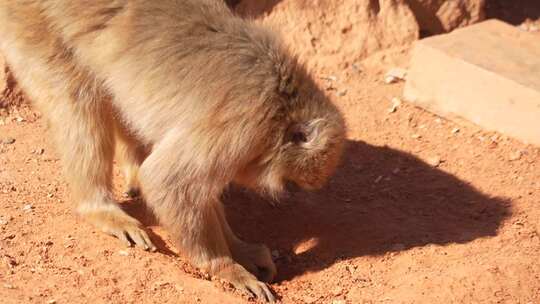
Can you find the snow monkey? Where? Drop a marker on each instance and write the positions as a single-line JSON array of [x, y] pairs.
[[218, 99]]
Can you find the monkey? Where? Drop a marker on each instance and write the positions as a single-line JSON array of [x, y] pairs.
[[193, 97]]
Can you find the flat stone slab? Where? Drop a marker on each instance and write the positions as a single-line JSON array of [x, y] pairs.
[[488, 73]]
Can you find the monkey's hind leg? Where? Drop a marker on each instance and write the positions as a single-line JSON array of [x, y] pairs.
[[86, 144], [130, 154], [80, 119]]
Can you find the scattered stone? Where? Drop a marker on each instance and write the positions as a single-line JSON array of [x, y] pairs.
[[20, 119], [396, 171], [8, 140], [378, 179], [337, 291], [330, 78], [396, 102], [493, 145], [455, 130], [356, 68], [515, 156], [434, 161], [342, 93], [39, 151], [28, 208], [123, 253], [51, 302], [306, 246], [275, 254], [416, 136], [394, 75], [9, 286]]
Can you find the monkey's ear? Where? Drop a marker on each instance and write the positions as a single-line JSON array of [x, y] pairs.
[[298, 133], [309, 134], [304, 133], [299, 137]]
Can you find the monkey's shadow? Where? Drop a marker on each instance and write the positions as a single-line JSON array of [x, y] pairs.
[[380, 200]]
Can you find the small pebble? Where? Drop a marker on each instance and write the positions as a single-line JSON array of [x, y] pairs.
[[275, 254], [342, 93], [455, 130], [8, 140], [39, 151], [123, 253], [330, 78], [396, 102], [51, 302], [28, 208], [515, 156], [416, 136], [434, 161], [9, 286], [337, 291], [394, 75]]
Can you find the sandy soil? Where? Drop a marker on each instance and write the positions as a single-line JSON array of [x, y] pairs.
[[421, 211]]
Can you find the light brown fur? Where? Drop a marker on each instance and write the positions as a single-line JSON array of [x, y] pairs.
[[217, 98]]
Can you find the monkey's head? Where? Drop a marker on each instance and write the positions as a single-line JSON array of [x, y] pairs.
[[304, 142], [310, 151]]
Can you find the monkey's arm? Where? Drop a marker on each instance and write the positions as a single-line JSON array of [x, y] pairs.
[[182, 184]]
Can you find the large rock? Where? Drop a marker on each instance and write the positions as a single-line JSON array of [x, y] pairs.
[[346, 30], [486, 73], [438, 16], [355, 29]]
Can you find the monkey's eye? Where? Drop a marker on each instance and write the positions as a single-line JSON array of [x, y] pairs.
[[298, 137]]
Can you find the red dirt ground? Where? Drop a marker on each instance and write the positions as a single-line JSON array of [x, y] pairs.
[[421, 211]]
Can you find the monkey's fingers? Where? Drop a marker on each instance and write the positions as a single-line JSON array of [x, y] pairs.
[[132, 236], [141, 239], [129, 232], [260, 290]]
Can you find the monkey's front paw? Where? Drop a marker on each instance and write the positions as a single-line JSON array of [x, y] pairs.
[[256, 258], [117, 223], [246, 282]]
